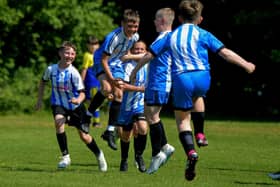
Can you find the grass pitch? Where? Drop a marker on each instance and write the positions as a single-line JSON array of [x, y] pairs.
[[239, 154]]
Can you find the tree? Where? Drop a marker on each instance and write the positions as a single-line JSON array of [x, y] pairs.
[[31, 31]]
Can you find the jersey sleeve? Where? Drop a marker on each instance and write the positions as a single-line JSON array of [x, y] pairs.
[[77, 81], [47, 74]]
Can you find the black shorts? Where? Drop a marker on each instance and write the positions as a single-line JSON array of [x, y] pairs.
[[135, 118], [77, 117]]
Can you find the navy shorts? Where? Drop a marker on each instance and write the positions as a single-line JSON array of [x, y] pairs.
[[77, 117]]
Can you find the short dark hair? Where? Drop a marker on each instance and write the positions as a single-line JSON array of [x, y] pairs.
[[92, 40]]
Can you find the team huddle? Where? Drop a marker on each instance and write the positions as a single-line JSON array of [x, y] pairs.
[[137, 80]]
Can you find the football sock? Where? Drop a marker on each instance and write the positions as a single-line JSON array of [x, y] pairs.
[[140, 144], [96, 116], [114, 112], [96, 102], [124, 149], [155, 135], [62, 142], [163, 135], [198, 122], [186, 138], [93, 147]]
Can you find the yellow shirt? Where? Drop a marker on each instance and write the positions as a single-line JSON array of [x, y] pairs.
[[87, 60]]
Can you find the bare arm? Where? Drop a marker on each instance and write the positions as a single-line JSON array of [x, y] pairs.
[[147, 57], [234, 58], [104, 61], [79, 99], [128, 87], [41, 90], [129, 56], [83, 73]]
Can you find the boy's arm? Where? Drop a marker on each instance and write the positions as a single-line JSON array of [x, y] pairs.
[[104, 61], [234, 58], [83, 73], [129, 87], [79, 99], [146, 58], [129, 56], [41, 90]]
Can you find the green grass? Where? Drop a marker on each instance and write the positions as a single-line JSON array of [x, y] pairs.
[[239, 154]]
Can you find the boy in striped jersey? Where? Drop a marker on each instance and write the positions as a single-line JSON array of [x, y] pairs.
[[190, 70], [67, 104], [158, 90], [108, 69], [131, 119]]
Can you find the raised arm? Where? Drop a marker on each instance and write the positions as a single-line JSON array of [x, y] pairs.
[[234, 58], [129, 56]]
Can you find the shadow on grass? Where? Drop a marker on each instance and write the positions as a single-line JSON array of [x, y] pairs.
[[256, 183], [50, 170], [246, 182]]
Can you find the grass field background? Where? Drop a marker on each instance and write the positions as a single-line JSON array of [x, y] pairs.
[[239, 154]]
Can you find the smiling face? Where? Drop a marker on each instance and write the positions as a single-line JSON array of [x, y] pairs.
[[67, 56], [130, 22], [139, 48], [130, 28]]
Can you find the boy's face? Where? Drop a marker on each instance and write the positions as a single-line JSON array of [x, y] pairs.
[[67, 55], [130, 28], [159, 23], [138, 48], [92, 47]]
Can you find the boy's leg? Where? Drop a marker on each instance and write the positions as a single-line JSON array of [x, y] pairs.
[[198, 118], [109, 134]]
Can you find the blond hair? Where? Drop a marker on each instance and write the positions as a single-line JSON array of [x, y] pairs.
[[167, 14]]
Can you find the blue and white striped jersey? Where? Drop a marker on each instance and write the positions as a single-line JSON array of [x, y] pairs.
[[134, 101], [189, 45], [116, 44], [160, 67], [65, 85]]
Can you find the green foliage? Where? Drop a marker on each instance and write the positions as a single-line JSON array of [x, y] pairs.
[[30, 33], [19, 95], [275, 55]]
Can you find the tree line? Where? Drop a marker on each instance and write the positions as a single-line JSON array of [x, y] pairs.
[[31, 31]]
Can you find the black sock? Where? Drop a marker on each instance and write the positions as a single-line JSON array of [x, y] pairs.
[[198, 122], [114, 112], [124, 149], [186, 138], [155, 135], [163, 135], [62, 142], [93, 147], [140, 144], [96, 102]]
